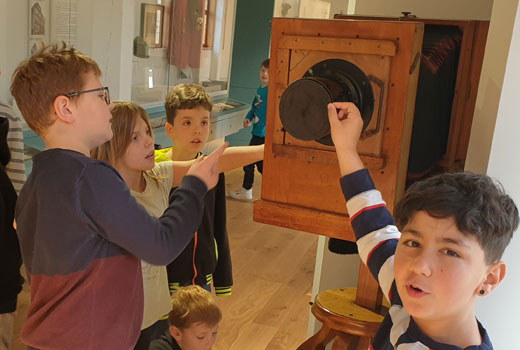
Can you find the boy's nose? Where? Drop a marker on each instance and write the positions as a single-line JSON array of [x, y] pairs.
[[422, 265]]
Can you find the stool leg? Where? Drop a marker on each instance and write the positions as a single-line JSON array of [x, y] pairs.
[[364, 343], [344, 341], [319, 340]]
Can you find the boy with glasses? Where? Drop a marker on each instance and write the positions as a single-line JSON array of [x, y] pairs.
[[81, 232]]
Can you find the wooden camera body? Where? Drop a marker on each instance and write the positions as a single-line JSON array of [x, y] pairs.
[[300, 188]]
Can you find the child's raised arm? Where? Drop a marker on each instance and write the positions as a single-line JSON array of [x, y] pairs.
[[345, 126]]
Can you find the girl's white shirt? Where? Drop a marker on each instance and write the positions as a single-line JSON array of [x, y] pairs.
[[155, 200]]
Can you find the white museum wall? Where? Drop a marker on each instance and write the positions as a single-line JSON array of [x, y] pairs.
[[4, 78], [111, 49], [499, 88], [490, 85], [16, 19], [445, 9], [336, 6]]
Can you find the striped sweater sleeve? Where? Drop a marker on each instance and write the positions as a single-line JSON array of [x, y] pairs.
[[375, 230], [16, 167]]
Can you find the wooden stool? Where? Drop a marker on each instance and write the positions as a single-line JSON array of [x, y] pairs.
[[351, 325]]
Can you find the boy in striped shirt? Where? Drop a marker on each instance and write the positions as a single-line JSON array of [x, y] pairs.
[[454, 229]]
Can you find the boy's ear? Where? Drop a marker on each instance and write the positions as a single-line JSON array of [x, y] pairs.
[[169, 130], [495, 275], [176, 333], [62, 109]]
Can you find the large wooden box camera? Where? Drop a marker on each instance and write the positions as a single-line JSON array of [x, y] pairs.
[[300, 188]]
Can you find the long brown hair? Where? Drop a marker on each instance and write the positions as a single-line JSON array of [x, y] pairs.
[[124, 118]]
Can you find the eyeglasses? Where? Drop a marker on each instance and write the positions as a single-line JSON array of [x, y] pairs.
[[106, 93]]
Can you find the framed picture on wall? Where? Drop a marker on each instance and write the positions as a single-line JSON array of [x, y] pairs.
[[152, 17], [38, 24]]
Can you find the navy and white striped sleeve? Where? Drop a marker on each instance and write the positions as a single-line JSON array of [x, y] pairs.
[[375, 229]]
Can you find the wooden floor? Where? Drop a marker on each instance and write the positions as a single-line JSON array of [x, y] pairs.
[[273, 270]]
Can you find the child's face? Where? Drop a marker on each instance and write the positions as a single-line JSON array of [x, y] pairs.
[[264, 76], [92, 113], [190, 131], [199, 336], [439, 271], [139, 155]]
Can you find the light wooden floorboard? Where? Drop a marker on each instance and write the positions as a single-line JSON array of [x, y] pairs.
[[273, 268]]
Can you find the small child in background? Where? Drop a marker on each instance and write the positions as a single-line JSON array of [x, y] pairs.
[[194, 321], [207, 258], [256, 115], [131, 153]]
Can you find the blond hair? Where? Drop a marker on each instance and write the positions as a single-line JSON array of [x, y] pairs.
[[49, 73], [193, 304], [186, 96], [124, 119]]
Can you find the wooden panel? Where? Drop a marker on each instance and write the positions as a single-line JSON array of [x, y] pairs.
[[309, 156], [477, 57], [292, 179], [460, 95], [351, 45], [303, 219]]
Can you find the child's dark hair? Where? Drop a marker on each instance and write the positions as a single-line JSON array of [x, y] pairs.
[[193, 304], [478, 204], [265, 63], [186, 96]]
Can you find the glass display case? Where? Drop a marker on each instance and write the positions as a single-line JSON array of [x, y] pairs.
[[144, 47], [184, 41]]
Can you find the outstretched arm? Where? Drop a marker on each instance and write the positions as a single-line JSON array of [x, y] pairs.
[[232, 158], [205, 168], [237, 157]]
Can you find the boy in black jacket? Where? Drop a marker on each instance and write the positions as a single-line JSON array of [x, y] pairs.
[[206, 259]]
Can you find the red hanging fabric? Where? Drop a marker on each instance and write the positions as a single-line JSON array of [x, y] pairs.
[[186, 33]]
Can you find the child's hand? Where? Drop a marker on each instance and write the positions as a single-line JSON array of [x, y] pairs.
[[246, 123], [345, 128], [345, 125], [206, 167]]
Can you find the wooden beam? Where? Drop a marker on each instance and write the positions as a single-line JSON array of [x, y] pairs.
[[351, 45]]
